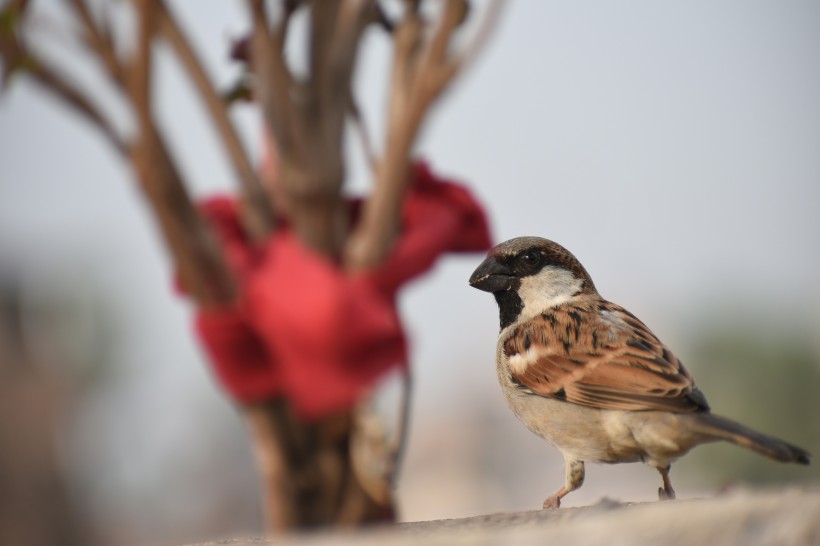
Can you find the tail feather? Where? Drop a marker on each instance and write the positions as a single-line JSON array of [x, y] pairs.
[[722, 428]]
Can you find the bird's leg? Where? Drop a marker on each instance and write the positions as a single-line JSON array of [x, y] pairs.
[[666, 492], [574, 479]]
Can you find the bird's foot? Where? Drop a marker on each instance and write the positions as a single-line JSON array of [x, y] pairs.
[[664, 494], [552, 503]]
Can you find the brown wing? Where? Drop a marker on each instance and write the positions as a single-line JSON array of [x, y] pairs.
[[599, 355]]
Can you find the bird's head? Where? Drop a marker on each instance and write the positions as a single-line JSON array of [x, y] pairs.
[[528, 275]]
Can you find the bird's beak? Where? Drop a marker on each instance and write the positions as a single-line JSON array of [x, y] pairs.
[[492, 276]]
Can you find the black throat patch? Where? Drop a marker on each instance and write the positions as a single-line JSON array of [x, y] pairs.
[[509, 306]]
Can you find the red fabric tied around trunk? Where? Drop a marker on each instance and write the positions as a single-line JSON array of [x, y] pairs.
[[304, 328]]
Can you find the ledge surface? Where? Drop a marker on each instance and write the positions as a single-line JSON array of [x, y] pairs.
[[742, 517]]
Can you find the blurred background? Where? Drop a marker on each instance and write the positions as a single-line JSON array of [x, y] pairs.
[[673, 147]]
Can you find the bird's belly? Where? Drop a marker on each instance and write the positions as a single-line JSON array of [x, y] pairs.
[[579, 432]]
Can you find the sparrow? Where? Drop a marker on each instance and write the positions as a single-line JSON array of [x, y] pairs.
[[588, 376]]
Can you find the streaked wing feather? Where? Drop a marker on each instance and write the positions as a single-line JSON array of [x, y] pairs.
[[599, 355]]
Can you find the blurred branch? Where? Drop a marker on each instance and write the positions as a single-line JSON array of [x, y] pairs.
[[482, 37], [17, 57], [364, 136], [336, 34], [422, 69], [59, 86], [323, 37], [98, 38], [199, 261], [307, 117], [274, 82], [259, 219], [201, 267]]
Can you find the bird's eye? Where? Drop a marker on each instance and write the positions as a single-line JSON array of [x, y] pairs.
[[530, 259]]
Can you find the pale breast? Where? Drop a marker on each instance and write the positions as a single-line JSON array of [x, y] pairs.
[[578, 432]]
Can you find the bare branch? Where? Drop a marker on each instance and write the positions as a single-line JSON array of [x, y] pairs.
[[482, 37], [273, 81], [370, 241], [454, 13], [201, 267], [351, 21], [259, 220], [421, 72], [382, 19], [99, 40], [307, 119], [323, 17], [58, 85], [364, 135], [139, 81]]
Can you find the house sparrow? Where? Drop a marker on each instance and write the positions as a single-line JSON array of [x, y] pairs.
[[590, 377]]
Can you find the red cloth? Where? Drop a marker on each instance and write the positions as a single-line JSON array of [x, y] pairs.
[[333, 334], [437, 216], [306, 329], [222, 214], [239, 358]]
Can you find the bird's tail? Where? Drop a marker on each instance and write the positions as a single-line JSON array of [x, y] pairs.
[[722, 428]]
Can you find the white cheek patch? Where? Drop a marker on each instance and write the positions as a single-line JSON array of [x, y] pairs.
[[550, 287]]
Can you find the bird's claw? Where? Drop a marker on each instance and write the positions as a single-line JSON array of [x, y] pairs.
[[552, 503], [663, 494]]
